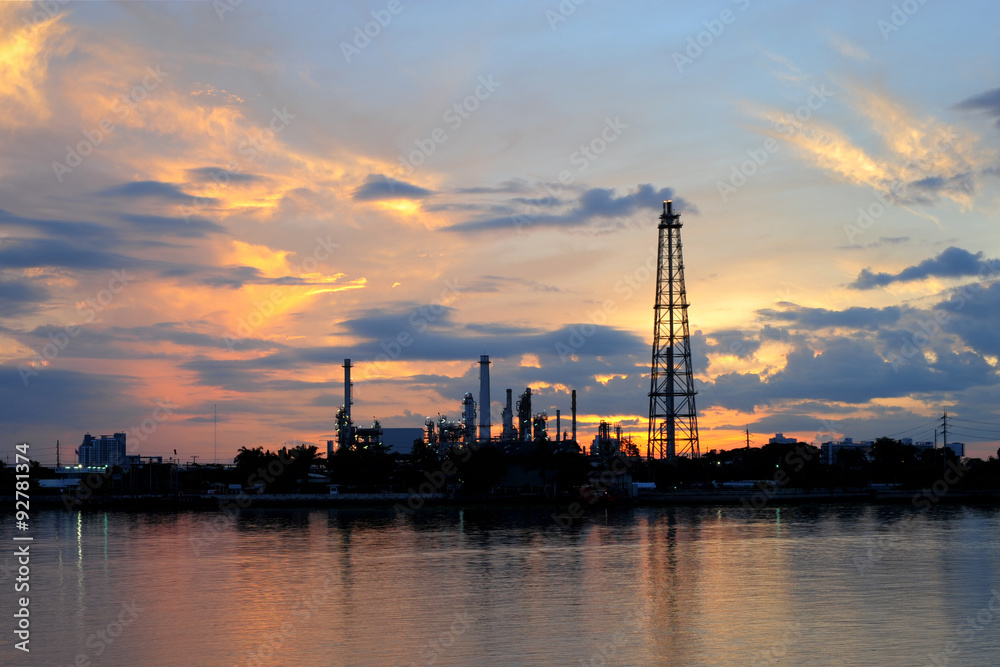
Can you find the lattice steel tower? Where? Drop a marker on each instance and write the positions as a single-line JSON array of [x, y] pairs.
[[673, 421]]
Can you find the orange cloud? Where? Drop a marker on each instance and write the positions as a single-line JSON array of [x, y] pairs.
[[25, 53]]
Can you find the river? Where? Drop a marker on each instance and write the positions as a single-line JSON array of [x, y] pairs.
[[804, 585]]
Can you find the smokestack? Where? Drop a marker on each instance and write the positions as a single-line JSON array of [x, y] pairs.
[[508, 420], [347, 387], [573, 405], [558, 427], [484, 398]]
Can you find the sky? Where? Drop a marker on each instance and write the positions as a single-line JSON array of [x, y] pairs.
[[205, 207]]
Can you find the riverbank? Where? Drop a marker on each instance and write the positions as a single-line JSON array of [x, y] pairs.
[[413, 502]]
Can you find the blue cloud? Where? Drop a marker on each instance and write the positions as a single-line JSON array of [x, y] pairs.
[[154, 190], [592, 205], [378, 187], [951, 263]]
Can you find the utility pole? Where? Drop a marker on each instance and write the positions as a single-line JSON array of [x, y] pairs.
[[944, 444], [57, 453]]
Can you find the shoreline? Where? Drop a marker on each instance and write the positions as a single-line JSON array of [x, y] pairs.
[[756, 499]]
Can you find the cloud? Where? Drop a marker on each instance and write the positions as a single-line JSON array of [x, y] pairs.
[[988, 102], [32, 253], [509, 186], [154, 190], [847, 49], [76, 230], [951, 263], [592, 205], [974, 315], [378, 187], [923, 159], [221, 175], [167, 226], [79, 401], [18, 297], [821, 318]]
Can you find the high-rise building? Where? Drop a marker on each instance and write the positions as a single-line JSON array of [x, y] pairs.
[[104, 450]]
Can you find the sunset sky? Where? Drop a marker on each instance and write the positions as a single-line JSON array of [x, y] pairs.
[[213, 204]]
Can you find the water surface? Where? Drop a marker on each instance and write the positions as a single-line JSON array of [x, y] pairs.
[[817, 585]]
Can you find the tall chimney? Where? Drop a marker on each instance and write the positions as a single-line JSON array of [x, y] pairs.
[[508, 420], [558, 427], [484, 398], [574, 415], [347, 387]]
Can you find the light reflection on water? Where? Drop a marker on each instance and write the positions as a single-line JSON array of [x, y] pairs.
[[666, 586]]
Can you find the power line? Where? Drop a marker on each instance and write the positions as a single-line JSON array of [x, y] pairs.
[[983, 430], [929, 424], [975, 422], [975, 437]]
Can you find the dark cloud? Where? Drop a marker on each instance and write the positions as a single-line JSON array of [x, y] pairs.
[[76, 231], [168, 226], [154, 190], [378, 187], [736, 391], [511, 186], [972, 312], [821, 318], [78, 402], [933, 186], [18, 297], [592, 205], [988, 102], [32, 253], [730, 341], [221, 176], [951, 263]]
